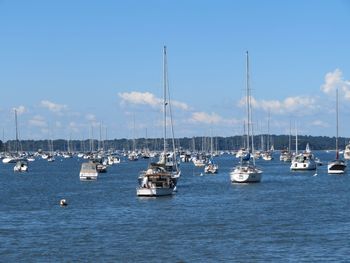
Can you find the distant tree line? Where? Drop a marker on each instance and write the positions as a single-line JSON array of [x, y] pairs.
[[193, 144]]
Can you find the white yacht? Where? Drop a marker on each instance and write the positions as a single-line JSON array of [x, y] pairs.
[[88, 171], [286, 156], [155, 181], [304, 161], [267, 156], [199, 161], [160, 178], [246, 171]]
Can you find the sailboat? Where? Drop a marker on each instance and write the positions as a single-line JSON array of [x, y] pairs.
[[304, 161], [337, 166], [133, 156], [21, 164], [160, 178], [246, 171], [211, 167]]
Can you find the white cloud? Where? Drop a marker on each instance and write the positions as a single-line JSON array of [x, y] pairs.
[[73, 126], [204, 117], [54, 107], [58, 124], [147, 98], [92, 119], [288, 105], [20, 109], [37, 121], [334, 80], [320, 123], [210, 118]]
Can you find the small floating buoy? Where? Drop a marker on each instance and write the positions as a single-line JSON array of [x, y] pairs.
[[315, 174], [63, 202]]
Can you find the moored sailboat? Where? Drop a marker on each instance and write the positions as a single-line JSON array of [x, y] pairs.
[[160, 178], [246, 171], [337, 166]]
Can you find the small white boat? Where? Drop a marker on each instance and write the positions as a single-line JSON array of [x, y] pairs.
[[21, 166], [88, 171], [31, 159], [156, 181], [267, 156], [198, 162], [211, 168], [347, 152], [246, 173], [303, 162], [336, 167], [133, 156], [10, 159]]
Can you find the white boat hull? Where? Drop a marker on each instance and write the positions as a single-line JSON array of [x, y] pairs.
[[336, 168], [88, 176], [153, 191], [22, 169], [213, 169], [9, 160], [239, 176], [295, 166]]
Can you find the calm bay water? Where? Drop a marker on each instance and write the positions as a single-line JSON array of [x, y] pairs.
[[289, 216]]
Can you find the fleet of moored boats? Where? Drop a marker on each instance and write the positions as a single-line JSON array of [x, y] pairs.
[[160, 178]]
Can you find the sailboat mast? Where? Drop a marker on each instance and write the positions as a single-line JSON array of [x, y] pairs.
[[290, 139], [17, 143], [248, 102], [337, 118], [164, 96], [296, 139], [268, 131]]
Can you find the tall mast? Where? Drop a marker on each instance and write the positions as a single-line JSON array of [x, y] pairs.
[[268, 131], [164, 95], [290, 139], [336, 139], [133, 139], [248, 101], [17, 142], [296, 139]]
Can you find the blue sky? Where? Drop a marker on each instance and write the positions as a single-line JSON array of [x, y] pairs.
[[68, 66]]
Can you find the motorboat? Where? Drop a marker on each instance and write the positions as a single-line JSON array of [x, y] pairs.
[[88, 171], [211, 167], [303, 161], [21, 166], [155, 181]]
